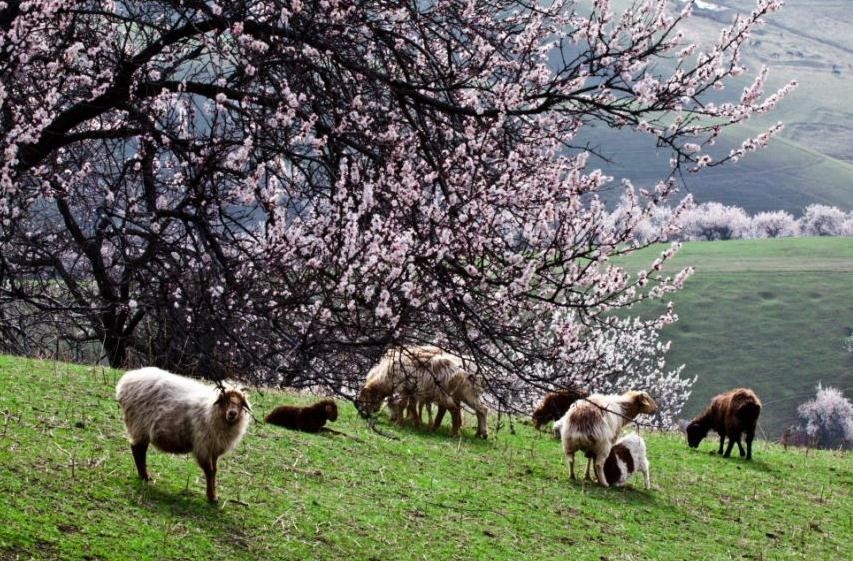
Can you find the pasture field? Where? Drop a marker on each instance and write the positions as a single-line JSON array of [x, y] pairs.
[[769, 314], [68, 490]]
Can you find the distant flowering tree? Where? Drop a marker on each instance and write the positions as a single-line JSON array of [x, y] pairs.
[[288, 187], [828, 418], [823, 220], [775, 224], [714, 221]]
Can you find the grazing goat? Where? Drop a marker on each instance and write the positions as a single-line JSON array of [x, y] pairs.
[[179, 415], [306, 419], [730, 414], [627, 457], [425, 374], [594, 423], [555, 405]]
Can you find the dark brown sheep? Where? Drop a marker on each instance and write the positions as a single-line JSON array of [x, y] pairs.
[[556, 404], [306, 419], [730, 414]]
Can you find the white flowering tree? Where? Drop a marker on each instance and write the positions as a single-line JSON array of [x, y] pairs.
[[774, 224], [824, 220], [828, 419], [288, 187], [714, 221]]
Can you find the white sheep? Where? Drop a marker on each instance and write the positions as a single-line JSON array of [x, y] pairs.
[[179, 415], [593, 425], [627, 457]]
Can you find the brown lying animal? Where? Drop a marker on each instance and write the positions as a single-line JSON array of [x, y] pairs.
[[306, 419]]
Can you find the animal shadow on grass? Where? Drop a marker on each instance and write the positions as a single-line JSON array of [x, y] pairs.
[[222, 520], [633, 493], [440, 435], [739, 463]]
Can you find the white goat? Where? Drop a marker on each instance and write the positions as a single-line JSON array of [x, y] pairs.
[[179, 415], [593, 425]]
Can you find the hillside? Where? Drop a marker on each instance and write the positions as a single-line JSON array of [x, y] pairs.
[[770, 314], [68, 491], [812, 160]]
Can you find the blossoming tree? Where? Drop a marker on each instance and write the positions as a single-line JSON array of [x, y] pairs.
[[288, 187]]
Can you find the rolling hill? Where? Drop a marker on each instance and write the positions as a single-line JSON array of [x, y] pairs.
[[770, 314], [812, 160]]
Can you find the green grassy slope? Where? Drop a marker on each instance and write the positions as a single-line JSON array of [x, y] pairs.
[[770, 314], [68, 491]]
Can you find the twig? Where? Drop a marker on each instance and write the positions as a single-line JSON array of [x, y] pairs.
[[237, 501], [371, 422], [333, 431], [463, 509]]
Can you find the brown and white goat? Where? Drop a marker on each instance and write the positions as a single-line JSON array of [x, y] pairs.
[[179, 415], [730, 414], [306, 419], [593, 424], [555, 404]]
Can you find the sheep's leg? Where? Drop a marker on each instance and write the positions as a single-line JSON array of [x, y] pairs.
[[482, 427], [456, 420], [729, 447], [749, 436], [439, 416], [647, 479], [428, 406], [588, 476], [140, 450], [395, 409], [412, 408], [599, 472], [722, 440], [570, 462], [740, 447], [208, 465]]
